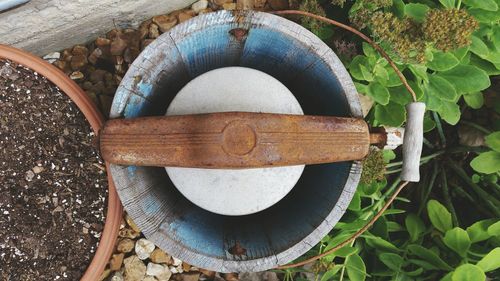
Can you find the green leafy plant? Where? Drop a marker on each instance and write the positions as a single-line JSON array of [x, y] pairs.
[[447, 226]]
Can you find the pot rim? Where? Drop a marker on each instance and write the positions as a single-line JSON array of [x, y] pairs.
[[96, 119]]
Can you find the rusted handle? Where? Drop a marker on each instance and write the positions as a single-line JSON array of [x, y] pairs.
[[233, 140]]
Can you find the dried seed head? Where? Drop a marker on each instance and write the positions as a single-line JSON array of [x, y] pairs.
[[449, 29]]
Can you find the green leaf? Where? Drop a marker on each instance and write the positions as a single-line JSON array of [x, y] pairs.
[[369, 189], [416, 11], [361, 88], [415, 226], [432, 102], [448, 3], [356, 269], [461, 52], [429, 124], [441, 88], [368, 50], [345, 251], [394, 227], [392, 114], [367, 75], [468, 272], [478, 47], [491, 261], [393, 79], [475, 178], [394, 211], [388, 155], [415, 273], [424, 264], [484, 16], [458, 240], [325, 32], [392, 261], [381, 244], [467, 78], [494, 229], [379, 93], [485, 65], [493, 141], [439, 216], [447, 277], [355, 204], [428, 256], [401, 95], [479, 230], [380, 72], [486, 162], [419, 70], [474, 100], [488, 5], [443, 61], [355, 67], [450, 112], [330, 274]]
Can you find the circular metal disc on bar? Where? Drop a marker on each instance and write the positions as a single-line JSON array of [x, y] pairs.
[[234, 192]]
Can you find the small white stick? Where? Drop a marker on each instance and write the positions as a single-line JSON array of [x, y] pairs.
[[413, 140]]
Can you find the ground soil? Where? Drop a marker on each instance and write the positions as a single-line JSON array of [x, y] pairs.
[[53, 184]]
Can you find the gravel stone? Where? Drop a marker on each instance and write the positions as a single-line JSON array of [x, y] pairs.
[[143, 248], [125, 245], [135, 270], [199, 6]]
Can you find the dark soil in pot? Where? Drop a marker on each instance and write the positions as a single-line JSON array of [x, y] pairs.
[[53, 184]]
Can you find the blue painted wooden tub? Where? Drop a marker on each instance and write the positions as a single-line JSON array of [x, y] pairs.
[[321, 84]]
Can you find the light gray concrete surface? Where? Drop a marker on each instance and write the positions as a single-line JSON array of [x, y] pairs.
[[43, 26]]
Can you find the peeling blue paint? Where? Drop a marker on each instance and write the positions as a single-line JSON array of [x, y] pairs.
[[309, 76]]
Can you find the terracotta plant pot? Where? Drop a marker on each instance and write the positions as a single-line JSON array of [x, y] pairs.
[[96, 120]]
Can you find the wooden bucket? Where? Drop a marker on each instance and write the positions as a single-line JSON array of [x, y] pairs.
[[321, 84]]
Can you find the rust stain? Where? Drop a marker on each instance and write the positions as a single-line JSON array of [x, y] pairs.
[[234, 140], [239, 33], [237, 250]]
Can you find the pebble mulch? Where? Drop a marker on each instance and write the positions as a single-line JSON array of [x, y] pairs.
[[98, 68]]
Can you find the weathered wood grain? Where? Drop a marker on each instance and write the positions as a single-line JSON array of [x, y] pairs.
[[233, 140], [312, 72]]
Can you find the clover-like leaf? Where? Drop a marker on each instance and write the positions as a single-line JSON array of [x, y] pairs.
[[443, 61], [439, 216], [491, 261], [392, 114], [474, 100], [415, 226], [379, 93], [416, 11], [450, 112], [486, 162], [493, 141], [468, 272], [356, 269], [488, 5], [467, 78], [441, 88], [458, 240]]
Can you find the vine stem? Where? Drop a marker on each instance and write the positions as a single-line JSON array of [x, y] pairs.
[[476, 126], [414, 97], [354, 236], [360, 34]]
